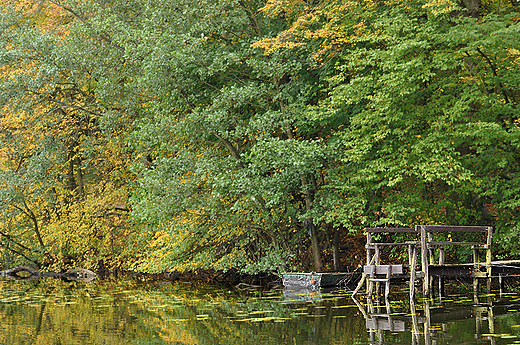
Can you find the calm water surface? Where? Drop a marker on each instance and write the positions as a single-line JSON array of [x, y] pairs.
[[51, 311]]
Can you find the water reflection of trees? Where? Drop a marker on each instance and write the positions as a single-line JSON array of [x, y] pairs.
[[133, 312], [129, 312]]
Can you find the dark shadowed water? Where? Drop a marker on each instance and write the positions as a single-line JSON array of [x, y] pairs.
[[51, 311]]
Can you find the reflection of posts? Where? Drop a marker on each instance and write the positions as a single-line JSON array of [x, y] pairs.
[[378, 318], [475, 295], [491, 323], [360, 307], [478, 326], [415, 324], [427, 323], [491, 319]]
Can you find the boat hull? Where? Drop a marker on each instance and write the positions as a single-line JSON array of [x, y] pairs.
[[299, 280]]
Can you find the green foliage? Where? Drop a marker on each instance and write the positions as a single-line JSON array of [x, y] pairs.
[[245, 132], [63, 179]]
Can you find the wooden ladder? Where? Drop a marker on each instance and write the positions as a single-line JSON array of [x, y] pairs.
[[381, 274]]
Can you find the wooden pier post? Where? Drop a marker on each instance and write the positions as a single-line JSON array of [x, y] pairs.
[[488, 257], [427, 324], [424, 260], [475, 264], [441, 278], [370, 260], [431, 261], [364, 277], [412, 262], [377, 263]]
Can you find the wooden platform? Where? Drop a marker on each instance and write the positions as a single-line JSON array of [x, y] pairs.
[[478, 270], [426, 260]]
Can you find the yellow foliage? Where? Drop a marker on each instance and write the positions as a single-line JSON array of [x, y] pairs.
[[45, 15], [340, 23], [441, 6], [290, 8]]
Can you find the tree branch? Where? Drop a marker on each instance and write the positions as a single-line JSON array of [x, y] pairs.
[[234, 152], [21, 254], [32, 216], [84, 21], [488, 60], [67, 105], [10, 239], [252, 18]]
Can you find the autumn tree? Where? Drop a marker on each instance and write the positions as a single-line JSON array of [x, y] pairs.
[[62, 174]]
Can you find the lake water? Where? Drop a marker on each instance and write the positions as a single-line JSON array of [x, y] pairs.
[[52, 311]]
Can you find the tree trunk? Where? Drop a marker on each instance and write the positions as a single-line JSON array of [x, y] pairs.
[[80, 182], [36, 228], [71, 180], [338, 265], [473, 7], [315, 243], [28, 212]]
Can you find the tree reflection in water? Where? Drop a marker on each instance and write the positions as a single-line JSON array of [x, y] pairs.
[[49, 311]]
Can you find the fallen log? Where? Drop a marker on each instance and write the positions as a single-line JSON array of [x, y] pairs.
[[27, 273]]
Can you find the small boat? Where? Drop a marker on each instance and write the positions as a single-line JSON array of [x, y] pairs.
[[313, 280]]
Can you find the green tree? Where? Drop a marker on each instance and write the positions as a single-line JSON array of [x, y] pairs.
[[429, 93], [234, 165]]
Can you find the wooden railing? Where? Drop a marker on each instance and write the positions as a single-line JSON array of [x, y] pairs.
[[428, 246], [374, 272]]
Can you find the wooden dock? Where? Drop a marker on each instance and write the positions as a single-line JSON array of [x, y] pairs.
[[426, 248]]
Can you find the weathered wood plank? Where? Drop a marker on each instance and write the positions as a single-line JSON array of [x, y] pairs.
[[382, 269], [440, 243], [446, 228], [389, 230], [373, 245], [387, 324]]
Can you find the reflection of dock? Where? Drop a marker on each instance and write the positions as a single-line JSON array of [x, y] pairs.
[[426, 249], [303, 295], [431, 324]]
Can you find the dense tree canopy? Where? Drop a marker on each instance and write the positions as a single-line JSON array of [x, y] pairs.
[[252, 135]]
